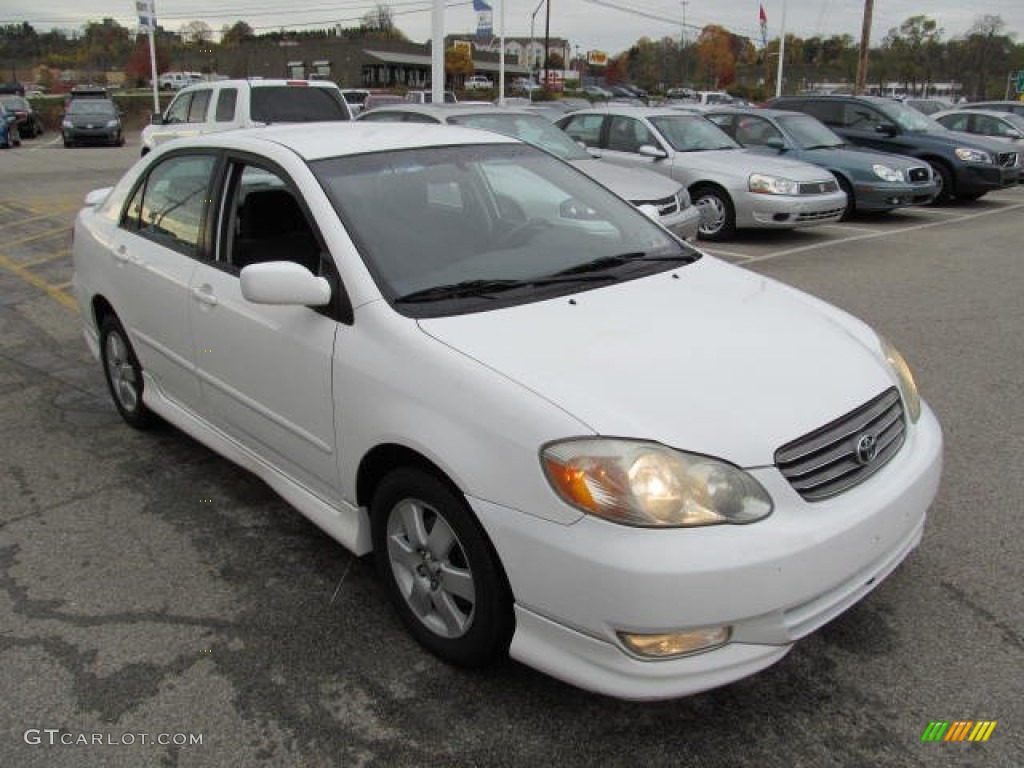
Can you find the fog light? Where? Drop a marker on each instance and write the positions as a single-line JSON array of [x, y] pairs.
[[669, 644]]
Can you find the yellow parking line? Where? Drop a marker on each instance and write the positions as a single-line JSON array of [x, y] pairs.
[[62, 253], [40, 217], [51, 290], [38, 236]]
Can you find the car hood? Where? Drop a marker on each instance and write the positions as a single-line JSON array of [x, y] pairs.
[[628, 183], [731, 162], [707, 358], [955, 139], [857, 157]]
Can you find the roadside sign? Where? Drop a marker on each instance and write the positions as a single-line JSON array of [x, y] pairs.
[[1020, 81]]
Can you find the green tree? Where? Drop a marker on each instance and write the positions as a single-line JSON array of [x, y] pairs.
[[234, 35]]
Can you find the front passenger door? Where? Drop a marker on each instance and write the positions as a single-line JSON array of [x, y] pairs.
[[265, 371]]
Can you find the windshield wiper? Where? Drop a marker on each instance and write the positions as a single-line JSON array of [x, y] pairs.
[[460, 290], [825, 146]]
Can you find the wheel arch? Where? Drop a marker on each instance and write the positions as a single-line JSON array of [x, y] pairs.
[[385, 458], [101, 308]]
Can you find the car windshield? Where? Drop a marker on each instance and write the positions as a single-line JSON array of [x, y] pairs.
[[529, 128], [296, 104], [449, 230], [91, 107], [1015, 120], [692, 133], [14, 102], [809, 132], [909, 119]]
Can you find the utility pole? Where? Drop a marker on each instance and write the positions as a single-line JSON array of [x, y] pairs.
[[547, 43], [865, 47]]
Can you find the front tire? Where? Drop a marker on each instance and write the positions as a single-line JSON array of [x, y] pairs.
[[123, 373], [717, 214], [945, 177], [441, 573], [851, 202]]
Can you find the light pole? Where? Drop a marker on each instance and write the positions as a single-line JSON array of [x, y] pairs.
[[682, 44], [533, 18]]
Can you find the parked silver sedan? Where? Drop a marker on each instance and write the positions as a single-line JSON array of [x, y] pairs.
[[733, 188], [642, 188]]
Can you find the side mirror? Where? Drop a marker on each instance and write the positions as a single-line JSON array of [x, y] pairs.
[[284, 282], [648, 150], [1012, 133], [887, 129], [776, 143], [156, 119]]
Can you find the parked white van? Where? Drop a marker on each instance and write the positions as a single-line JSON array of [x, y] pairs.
[[226, 104]]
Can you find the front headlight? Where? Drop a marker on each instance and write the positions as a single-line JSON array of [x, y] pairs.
[[886, 173], [908, 387], [112, 124], [645, 484], [67, 124], [973, 155], [772, 185]]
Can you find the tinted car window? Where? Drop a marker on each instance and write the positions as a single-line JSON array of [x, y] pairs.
[[585, 128], [92, 107], [626, 134], [862, 117], [197, 109], [178, 111], [226, 105], [956, 122], [755, 131], [296, 104], [168, 208], [829, 112]]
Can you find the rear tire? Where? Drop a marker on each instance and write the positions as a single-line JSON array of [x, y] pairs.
[[441, 573], [123, 374]]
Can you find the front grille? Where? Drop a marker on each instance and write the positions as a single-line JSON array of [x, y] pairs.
[[919, 174], [1008, 159], [818, 187], [838, 456], [666, 206], [819, 215]]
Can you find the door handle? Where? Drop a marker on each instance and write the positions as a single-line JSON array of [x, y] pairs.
[[204, 295]]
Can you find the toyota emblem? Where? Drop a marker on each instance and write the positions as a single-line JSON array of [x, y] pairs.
[[867, 449]]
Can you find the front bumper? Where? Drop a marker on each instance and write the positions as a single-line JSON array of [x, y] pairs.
[[92, 135], [884, 196], [684, 223], [772, 582], [975, 178], [787, 211]]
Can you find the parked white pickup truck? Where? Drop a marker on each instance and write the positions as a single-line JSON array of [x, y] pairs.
[[228, 104]]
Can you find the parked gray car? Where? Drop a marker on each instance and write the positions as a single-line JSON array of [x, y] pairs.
[[642, 188], [872, 181], [732, 187]]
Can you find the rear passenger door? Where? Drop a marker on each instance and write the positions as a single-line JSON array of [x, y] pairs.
[[155, 249], [265, 371]]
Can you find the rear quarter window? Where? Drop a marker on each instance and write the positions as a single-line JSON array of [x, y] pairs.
[[829, 112], [296, 104]]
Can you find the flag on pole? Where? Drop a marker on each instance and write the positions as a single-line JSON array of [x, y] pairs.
[[484, 19], [764, 27], [147, 13]]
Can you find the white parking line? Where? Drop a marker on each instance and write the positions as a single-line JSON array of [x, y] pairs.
[[723, 254], [854, 227], [37, 146], [900, 232]]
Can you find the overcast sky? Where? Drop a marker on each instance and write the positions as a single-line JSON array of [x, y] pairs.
[[590, 24]]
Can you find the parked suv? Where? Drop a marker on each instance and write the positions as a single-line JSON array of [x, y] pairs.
[[966, 166], [227, 104], [479, 83]]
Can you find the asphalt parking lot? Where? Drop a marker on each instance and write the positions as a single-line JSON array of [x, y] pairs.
[[151, 592]]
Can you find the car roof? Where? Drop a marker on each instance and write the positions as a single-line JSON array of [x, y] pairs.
[[728, 109], [315, 141], [257, 82], [444, 111], [637, 111]]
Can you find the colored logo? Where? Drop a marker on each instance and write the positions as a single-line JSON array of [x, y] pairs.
[[959, 730]]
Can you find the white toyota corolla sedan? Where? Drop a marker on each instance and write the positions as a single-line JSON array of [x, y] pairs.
[[565, 434]]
